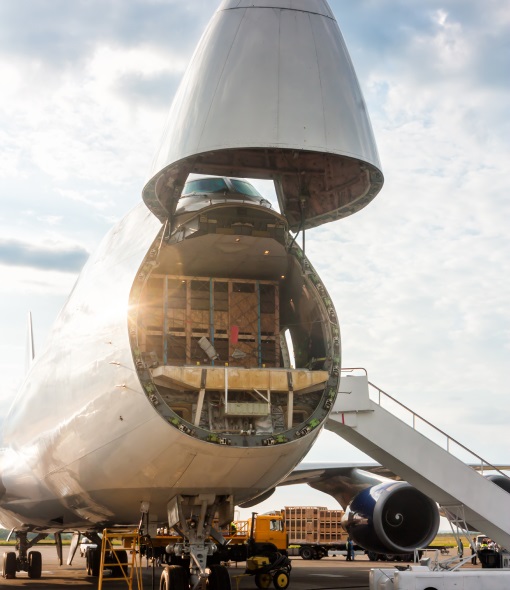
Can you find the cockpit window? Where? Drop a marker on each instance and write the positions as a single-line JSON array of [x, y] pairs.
[[244, 187], [205, 185]]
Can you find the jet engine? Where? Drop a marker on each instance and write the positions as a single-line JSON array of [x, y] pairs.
[[392, 517]]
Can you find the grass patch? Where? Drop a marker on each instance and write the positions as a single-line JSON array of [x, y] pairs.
[[447, 540]]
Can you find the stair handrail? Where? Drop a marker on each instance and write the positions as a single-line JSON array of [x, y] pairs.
[[449, 439]]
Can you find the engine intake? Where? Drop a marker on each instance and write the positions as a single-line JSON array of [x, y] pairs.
[[392, 517]]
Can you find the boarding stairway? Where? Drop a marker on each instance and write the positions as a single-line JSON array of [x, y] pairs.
[[420, 454]]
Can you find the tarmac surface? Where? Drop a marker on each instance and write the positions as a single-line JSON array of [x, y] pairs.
[[330, 573]]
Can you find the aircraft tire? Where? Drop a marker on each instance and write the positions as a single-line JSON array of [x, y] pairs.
[[10, 565], [93, 562], [173, 577], [263, 580], [219, 578], [281, 580], [34, 565], [118, 571]]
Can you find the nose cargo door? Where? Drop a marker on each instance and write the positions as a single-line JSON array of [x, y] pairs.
[[271, 93]]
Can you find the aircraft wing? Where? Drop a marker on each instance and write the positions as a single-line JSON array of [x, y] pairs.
[[321, 471], [342, 481]]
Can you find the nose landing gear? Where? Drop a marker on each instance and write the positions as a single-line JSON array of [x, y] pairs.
[[191, 517]]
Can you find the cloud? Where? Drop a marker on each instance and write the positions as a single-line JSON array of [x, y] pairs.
[[60, 34], [419, 277], [52, 257], [152, 90], [140, 76], [450, 49]]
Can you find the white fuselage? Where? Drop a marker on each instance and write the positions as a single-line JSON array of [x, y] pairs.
[[82, 444], [90, 436]]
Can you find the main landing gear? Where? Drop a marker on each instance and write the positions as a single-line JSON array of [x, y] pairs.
[[25, 561]]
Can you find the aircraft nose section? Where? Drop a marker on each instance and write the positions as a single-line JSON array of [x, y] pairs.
[[271, 93]]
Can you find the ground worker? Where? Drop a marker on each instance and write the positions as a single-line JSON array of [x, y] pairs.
[[350, 550]]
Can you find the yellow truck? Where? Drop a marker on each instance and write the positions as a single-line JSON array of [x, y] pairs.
[[307, 531]]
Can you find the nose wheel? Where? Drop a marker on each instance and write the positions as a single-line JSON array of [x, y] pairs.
[[174, 578]]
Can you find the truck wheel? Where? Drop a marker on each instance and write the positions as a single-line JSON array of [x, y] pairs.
[[34, 565], [10, 565], [372, 555], [281, 579], [263, 580], [306, 553], [219, 578]]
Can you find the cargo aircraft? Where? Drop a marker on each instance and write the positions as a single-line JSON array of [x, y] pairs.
[[198, 355]]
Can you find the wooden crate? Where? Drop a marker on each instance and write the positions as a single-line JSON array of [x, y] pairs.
[[239, 317], [314, 524]]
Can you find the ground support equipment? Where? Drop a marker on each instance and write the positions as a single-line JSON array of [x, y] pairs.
[[124, 560]]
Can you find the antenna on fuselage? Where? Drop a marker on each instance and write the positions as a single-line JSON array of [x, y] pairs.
[[30, 348]]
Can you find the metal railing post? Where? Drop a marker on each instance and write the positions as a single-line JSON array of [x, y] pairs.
[[484, 465]]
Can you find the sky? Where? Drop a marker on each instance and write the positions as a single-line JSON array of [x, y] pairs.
[[420, 278]]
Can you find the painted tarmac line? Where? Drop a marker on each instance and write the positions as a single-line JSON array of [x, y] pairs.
[[329, 575]]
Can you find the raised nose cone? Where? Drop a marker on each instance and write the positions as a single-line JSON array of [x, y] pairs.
[[271, 93]]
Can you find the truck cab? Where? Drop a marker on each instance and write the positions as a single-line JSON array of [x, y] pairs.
[[270, 528]]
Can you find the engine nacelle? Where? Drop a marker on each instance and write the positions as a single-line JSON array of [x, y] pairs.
[[392, 517]]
